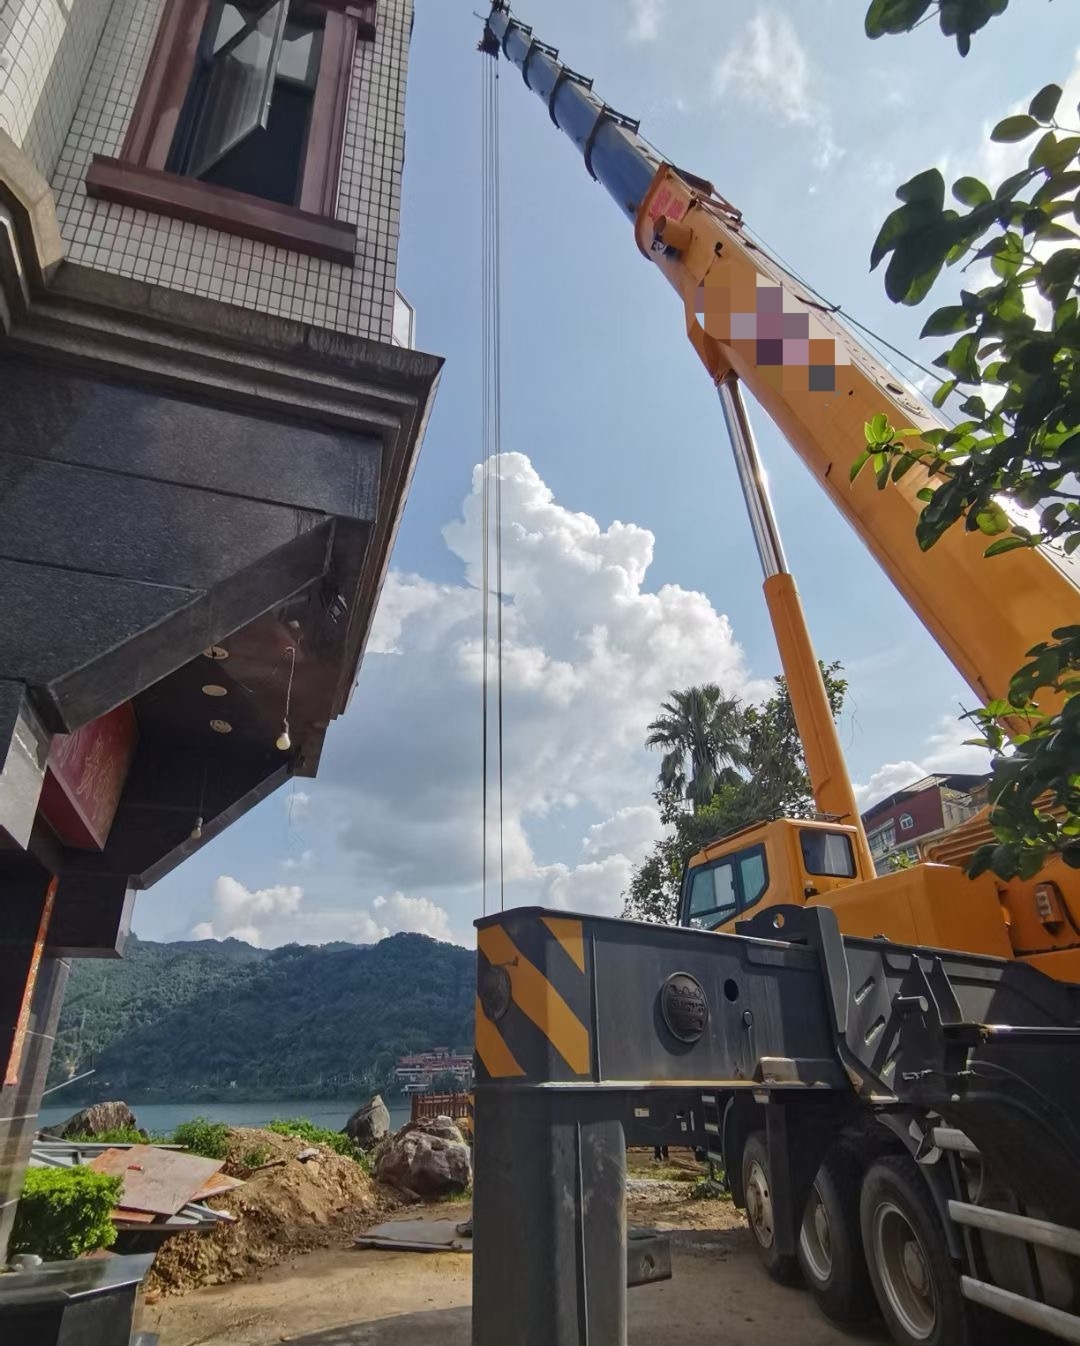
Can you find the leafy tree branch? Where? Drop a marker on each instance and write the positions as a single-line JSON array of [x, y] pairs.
[[1009, 468]]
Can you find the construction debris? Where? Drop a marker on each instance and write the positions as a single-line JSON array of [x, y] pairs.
[[130, 1217], [284, 1207], [417, 1236], [158, 1180]]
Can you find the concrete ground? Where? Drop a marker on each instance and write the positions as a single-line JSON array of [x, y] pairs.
[[367, 1298]]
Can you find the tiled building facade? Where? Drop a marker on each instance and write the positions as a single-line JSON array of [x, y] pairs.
[[210, 411], [68, 86]]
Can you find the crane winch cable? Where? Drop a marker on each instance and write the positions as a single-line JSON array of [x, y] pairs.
[[491, 434]]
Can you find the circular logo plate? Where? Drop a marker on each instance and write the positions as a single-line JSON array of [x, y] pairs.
[[495, 992], [684, 1006]]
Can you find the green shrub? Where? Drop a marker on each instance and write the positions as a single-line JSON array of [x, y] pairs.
[[65, 1212], [119, 1135], [256, 1156], [201, 1136], [321, 1135]]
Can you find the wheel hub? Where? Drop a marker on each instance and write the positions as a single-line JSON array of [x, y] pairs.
[[759, 1204], [815, 1239], [904, 1271]]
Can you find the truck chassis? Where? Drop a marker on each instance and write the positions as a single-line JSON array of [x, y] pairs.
[[900, 1123]]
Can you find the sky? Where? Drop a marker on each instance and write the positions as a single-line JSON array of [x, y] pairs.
[[629, 567]]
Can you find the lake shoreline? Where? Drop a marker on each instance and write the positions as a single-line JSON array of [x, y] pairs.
[[162, 1117]]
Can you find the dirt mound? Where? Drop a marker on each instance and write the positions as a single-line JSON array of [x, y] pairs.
[[292, 1207]]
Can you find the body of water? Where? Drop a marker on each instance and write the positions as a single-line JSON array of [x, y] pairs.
[[162, 1118]]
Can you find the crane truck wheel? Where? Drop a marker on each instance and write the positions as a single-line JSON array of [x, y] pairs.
[[831, 1255], [917, 1288], [757, 1184]]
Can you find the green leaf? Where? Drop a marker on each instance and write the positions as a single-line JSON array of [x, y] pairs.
[[1014, 128], [894, 228], [879, 431], [1007, 189], [860, 462], [941, 395], [992, 519], [953, 318], [971, 192], [1004, 544], [926, 188], [1043, 106], [1056, 233], [894, 16]]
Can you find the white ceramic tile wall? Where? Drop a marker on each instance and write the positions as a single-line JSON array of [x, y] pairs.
[[45, 51], [358, 299]]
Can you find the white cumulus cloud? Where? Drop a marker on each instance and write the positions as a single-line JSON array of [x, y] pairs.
[[945, 752], [241, 912], [767, 66], [278, 915], [589, 654]]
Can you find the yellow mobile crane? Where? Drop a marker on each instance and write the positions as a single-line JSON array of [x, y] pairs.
[[884, 1066], [751, 322]]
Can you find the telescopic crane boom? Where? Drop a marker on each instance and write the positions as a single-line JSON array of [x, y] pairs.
[[751, 322]]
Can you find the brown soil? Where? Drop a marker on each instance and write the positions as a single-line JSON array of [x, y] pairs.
[[292, 1208], [367, 1298]]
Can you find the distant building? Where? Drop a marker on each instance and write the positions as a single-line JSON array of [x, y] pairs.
[[905, 822], [415, 1073]]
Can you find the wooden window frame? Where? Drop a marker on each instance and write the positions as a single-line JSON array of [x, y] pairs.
[[137, 176]]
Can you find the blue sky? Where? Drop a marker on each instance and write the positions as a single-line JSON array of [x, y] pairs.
[[630, 566]]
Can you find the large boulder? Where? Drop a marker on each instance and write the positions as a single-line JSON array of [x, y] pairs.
[[96, 1119], [369, 1124], [426, 1160]]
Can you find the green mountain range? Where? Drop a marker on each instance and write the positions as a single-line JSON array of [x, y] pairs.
[[208, 1017]]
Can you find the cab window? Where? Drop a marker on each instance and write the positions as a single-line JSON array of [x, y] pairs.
[[827, 853], [712, 894], [753, 875], [721, 890]]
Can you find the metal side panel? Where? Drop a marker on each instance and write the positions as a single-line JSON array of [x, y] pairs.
[[569, 1000]]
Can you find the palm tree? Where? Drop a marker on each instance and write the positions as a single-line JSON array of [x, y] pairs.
[[702, 734]]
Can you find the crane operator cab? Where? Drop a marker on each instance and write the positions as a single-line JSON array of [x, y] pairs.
[[800, 860]]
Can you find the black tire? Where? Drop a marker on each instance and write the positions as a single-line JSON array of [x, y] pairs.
[[831, 1255], [757, 1184], [914, 1279]]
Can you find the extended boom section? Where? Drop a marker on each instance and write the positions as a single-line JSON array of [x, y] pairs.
[[595, 1033], [746, 316]]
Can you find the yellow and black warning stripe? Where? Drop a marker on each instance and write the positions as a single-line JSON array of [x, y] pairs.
[[532, 1005]]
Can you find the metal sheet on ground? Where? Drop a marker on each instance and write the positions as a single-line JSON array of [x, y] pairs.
[[419, 1236], [156, 1180]]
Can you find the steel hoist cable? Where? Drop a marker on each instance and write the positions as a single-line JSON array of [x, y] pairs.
[[491, 468]]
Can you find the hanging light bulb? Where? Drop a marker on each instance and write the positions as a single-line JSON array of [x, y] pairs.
[[196, 831], [283, 742]]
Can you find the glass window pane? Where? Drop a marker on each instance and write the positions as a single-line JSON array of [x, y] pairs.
[[752, 869], [238, 91], [231, 21], [712, 895], [828, 853], [300, 52]]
